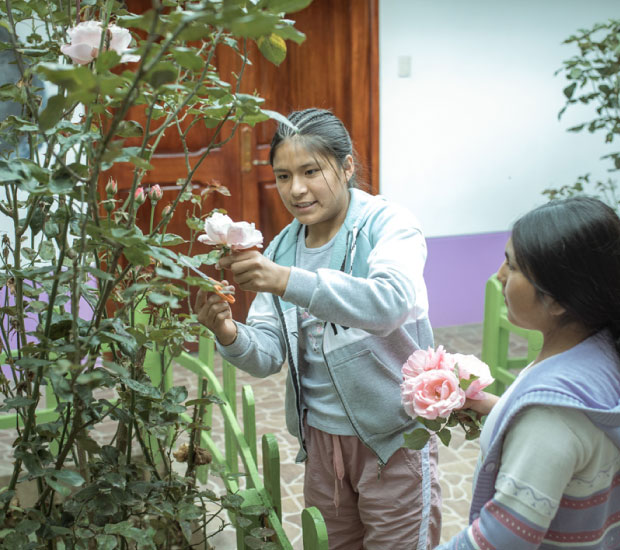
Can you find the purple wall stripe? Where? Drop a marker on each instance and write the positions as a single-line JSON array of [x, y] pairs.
[[457, 268]]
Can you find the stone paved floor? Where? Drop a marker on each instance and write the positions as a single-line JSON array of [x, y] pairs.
[[457, 462]]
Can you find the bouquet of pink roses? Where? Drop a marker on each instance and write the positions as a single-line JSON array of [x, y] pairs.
[[434, 389]]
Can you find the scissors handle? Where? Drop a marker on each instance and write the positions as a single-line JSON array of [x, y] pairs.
[[217, 286]]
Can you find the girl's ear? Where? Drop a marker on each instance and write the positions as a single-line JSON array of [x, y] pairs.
[[348, 167], [554, 308]]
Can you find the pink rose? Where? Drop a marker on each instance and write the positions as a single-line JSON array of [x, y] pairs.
[[220, 230], [155, 193], [139, 196], [470, 365], [421, 361], [86, 39], [111, 187], [432, 393]]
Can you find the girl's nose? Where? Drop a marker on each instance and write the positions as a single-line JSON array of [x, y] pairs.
[[501, 272], [298, 186]]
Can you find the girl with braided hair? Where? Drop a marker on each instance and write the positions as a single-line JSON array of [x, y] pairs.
[[342, 299]]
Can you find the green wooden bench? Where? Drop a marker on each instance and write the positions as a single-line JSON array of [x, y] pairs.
[[496, 331]]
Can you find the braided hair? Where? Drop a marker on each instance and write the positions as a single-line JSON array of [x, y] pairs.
[[321, 132]]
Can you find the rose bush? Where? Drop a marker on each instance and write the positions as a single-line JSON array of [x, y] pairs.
[[90, 310]]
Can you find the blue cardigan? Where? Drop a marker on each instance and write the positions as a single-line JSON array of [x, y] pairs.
[[585, 377]]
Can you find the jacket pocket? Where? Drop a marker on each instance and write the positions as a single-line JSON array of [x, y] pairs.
[[370, 392]]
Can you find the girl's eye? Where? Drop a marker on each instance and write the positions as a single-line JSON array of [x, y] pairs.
[[311, 171], [282, 177]]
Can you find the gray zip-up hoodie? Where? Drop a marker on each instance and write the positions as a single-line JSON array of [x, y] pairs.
[[374, 303]]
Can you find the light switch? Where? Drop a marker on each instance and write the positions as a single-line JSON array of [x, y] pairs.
[[404, 66]]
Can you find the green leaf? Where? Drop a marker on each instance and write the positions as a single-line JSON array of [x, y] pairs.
[[170, 239], [171, 272], [273, 47], [129, 128], [472, 434], [288, 32], [177, 394], [284, 6], [433, 425], [137, 256], [15, 402], [106, 60], [59, 487], [465, 383], [445, 435], [262, 532], [68, 477], [417, 439], [162, 73], [163, 299], [27, 526], [186, 529], [53, 111], [142, 389], [187, 58], [208, 400], [252, 542], [106, 542], [71, 77], [569, 90], [47, 251]]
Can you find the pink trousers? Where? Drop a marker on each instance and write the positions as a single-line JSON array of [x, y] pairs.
[[400, 509]]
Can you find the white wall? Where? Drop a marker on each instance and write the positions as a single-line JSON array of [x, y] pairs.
[[472, 137]]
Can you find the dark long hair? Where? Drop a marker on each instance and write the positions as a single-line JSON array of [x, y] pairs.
[[570, 250], [322, 132]]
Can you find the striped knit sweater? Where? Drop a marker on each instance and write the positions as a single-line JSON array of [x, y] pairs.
[[527, 496]]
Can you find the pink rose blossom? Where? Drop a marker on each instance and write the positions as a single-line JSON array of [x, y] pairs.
[[111, 187], [420, 361], [220, 230], [155, 193], [86, 39], [139, 196], [432, 394], [470, 365]]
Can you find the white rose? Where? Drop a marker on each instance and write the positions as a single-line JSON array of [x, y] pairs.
[[86, 38], [220, 230]]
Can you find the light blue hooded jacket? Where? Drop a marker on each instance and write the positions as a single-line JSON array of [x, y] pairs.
[[374, 303]]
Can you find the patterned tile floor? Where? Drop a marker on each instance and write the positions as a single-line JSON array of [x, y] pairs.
[[457, 462]]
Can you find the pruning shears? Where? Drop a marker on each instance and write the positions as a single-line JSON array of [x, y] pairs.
[[217, 286]]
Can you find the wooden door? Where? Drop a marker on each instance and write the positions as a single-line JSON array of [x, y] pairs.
[[335, 68]]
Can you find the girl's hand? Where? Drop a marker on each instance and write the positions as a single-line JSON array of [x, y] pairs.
[[253, 272], [214, 313], [482, 406]]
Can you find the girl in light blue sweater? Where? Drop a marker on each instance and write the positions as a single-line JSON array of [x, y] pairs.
[[342, 299]]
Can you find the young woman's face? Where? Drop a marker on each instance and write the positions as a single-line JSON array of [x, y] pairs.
[[313, 188], [526, 308]]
